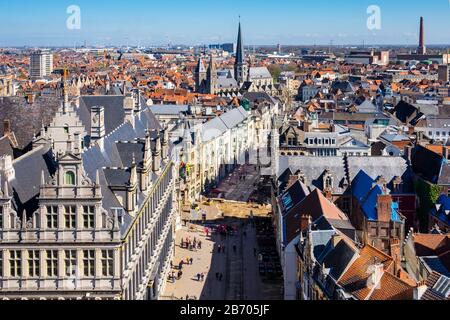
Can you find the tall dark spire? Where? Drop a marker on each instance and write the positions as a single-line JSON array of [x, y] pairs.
[[240, 54], [240, 68]]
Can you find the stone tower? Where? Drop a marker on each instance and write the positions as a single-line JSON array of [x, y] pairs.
[[200, 76], [212, 77]]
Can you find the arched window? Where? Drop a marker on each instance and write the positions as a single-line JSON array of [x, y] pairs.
[[69, 178]]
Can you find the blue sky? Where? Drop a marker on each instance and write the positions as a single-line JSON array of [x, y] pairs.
[[146, 22]]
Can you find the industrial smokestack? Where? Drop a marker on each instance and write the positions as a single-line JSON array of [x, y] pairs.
[[422, 48]]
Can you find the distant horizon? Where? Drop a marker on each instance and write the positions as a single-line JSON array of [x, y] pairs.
[[289, 22], [324, 45]]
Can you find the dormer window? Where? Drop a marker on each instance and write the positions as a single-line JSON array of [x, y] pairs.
[[69, 178]]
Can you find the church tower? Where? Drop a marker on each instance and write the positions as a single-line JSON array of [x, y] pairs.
[[212, 77], [240, 68], [200, 76]]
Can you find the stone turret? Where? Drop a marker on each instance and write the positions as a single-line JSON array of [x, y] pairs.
[[212, 77], [165, 143], [156, 152]]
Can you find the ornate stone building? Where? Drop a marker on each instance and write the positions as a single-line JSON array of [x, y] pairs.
[[97, 223]]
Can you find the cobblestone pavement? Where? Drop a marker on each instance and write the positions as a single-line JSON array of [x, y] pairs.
[[241, 279]]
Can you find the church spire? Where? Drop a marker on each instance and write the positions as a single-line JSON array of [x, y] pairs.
[[240, 67], [240, 54]]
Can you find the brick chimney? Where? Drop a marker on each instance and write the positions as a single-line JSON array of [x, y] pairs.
[[384, 208], [396, 255], [6, 127]]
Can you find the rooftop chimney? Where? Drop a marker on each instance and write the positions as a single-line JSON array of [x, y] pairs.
[[422, 48], [384, 208], [376, 272], [6, 127], [420, 290], [396, 255]]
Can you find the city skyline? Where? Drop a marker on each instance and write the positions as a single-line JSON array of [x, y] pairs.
[[294, 23]]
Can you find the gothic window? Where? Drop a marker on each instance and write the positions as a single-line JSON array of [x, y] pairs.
[[329, 182], [70, 217], [52, 217], [70, 262], [1, 264], [52, 263], [89, 263], [107, 263], [34, 263], [69, 178], [1, 217], [15, 263], [89, 217]]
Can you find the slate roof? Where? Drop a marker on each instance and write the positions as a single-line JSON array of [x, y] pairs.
[[292, 196], [5, 147], [259, 73], [337, 258], [406, 112], [438, 287], [28, 172], [442, 210], [27, 119], [165, 109], [116, 155], [430, 166], [219, 125], [114, 112], [314, 169], [435, 263]]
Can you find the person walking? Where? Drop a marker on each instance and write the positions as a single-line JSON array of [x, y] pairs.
[[200, 245], [191, 261], [219, 248], [217, 276], [202, 276], [198, 277], [221, 276]]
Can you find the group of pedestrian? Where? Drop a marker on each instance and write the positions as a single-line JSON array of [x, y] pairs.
[[200, 277], [219, 276], [173, 278], [191, 245], [221, 248], [242, 177]]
